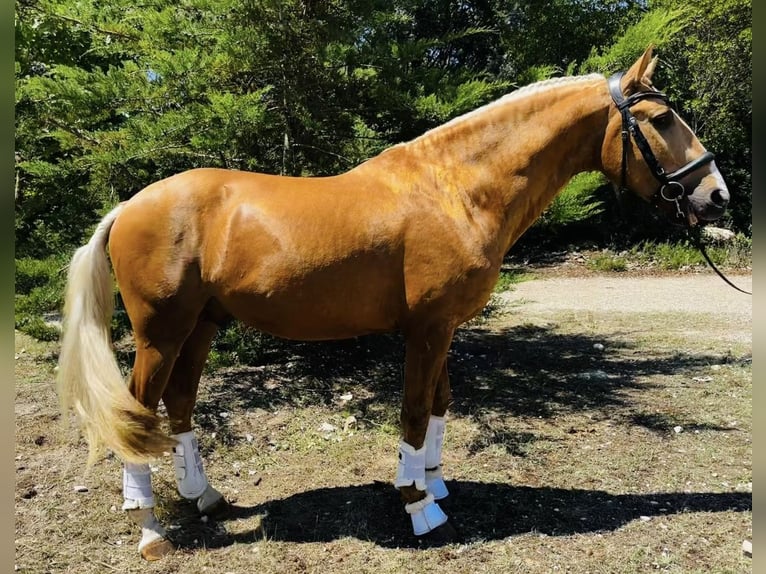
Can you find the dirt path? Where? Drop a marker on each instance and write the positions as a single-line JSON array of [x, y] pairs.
[[704, 294]]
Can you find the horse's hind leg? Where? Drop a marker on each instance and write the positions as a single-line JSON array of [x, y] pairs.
[[179, 398], [159, 338], [435, 436], [424, 364]]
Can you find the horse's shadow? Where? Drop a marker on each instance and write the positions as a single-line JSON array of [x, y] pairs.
[[479, 511], [518, 371]]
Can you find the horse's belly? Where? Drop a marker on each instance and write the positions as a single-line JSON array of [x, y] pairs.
[[334, 302], [306, 316]]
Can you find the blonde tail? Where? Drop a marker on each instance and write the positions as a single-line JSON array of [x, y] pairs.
[[89, 378]]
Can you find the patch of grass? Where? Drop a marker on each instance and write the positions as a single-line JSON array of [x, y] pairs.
[[33, 273], [510, 277], [574, 203], [674, 256], [36, 327], [607, 262]]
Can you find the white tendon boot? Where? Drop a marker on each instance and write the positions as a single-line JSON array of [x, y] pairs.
[[433, 443], [190, 474], [426, 513], [139, 503]]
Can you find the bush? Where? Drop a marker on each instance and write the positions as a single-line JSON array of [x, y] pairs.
[[37, 327], [575, 203], [39, 295], [239, 344], [31, 273], [508, 278]]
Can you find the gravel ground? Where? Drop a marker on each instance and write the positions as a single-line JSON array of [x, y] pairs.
[[642, 294]]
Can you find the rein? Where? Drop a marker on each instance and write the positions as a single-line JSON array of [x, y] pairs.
[[695, 236], [671, 189]]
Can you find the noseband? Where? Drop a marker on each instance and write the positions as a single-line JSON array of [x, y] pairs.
[[671, 189]]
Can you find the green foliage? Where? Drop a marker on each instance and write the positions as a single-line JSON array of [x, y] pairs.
[[238, 344], [110, 97], [655, 28], [607, 262], [575, 203], [709, 71], [39, 295], [32, 273], [508, 278]]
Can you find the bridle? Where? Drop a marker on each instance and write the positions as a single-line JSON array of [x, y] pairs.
[[671, 189]]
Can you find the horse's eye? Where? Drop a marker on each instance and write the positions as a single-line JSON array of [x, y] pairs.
[[663, 120]]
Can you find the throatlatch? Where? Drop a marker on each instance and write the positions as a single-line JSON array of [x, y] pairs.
[[434, 443]]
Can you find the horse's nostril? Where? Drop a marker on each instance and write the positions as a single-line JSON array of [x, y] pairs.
[[720, 197]]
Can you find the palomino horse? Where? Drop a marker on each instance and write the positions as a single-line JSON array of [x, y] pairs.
[[410, 240]]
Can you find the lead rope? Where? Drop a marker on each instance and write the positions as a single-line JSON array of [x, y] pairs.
[[695, 237]]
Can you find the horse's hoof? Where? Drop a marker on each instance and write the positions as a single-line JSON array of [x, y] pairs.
[[218, 509], [157, 549], [439, 536], [448, 500]]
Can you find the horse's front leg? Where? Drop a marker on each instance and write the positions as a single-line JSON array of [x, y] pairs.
[[425, 359]]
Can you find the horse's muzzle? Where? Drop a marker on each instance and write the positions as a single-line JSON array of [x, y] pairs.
[[709, 205]]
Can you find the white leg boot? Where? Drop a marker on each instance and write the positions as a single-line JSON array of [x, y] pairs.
[[426, 513], [190, 474], [433, 443], [139, 504]]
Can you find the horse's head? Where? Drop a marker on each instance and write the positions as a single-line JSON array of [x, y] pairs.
[[649, 149]]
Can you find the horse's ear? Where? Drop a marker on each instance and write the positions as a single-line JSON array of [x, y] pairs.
[[649, 72], [640, 72]]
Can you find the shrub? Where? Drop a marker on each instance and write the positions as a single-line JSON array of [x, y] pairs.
[[575, 203], [31, 273], [238, 344], [37, 327], [39, 295]]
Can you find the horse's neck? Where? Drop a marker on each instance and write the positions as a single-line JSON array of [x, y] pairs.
[[513, 156]]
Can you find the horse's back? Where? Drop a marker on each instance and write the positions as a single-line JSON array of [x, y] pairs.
[[299, 257], [310, 258]]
